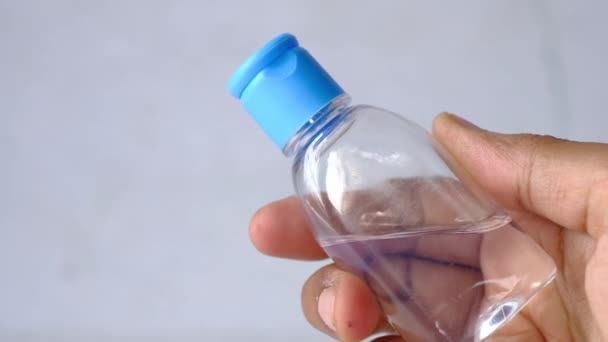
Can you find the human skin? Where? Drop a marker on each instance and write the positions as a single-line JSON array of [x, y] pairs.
[[557, 192]]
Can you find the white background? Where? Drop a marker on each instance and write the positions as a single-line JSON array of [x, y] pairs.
[[128, 175]]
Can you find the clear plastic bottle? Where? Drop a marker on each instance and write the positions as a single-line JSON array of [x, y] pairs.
[[444, 262]]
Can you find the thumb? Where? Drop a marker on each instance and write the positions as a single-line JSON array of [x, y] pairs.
[[563, 181]]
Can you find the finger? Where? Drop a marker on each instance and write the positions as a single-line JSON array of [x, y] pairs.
[[280, 229], [339, 304], [551, 177]]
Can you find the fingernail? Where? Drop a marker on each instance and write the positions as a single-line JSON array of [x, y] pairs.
[[325, 306], [462, 122]]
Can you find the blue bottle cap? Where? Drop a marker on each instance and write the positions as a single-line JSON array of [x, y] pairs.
[[282, 86]]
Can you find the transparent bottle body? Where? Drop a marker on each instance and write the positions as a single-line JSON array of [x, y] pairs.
[[443, 261]]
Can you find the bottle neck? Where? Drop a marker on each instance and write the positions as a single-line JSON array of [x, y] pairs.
[[316, 125]]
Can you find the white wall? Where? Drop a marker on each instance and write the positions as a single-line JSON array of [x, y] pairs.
[[128, 174]]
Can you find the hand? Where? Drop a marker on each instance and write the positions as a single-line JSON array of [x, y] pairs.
[[556, 190]]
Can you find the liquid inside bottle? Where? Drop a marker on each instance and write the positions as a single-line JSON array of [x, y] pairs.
[[445, 263], [446, 286]]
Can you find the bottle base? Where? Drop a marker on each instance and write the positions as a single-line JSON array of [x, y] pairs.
[[446, 286], [501, 313]]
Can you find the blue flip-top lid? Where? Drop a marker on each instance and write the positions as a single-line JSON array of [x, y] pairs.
[[282, 86]]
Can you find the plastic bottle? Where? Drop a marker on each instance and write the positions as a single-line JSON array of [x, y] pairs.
[[444, 262]]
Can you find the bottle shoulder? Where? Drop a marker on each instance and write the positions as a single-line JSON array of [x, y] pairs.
[[363, 129]]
